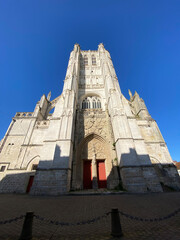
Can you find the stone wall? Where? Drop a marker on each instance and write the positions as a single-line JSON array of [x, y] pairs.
[[51, 182], [121, 132], [15, 181]]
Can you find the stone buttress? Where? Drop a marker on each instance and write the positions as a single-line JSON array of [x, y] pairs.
[[54, 170]]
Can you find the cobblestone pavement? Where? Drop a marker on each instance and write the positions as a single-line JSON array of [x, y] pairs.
[[73, 209]]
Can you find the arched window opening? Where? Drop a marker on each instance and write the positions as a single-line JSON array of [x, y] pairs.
[[93, 60], [88, 104], [98, 103], [85, 60], [94, 103], [91, 102], [84, 104]]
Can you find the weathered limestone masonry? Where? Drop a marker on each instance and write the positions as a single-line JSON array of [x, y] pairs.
[[95, 137]]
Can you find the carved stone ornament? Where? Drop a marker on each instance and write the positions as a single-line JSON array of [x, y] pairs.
[[94, 148], [112, 90], [93, 123]]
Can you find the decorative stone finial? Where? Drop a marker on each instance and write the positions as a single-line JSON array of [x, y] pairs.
[[130, 94], [49, 96], [101, 45], [76, 46], [136, 94]]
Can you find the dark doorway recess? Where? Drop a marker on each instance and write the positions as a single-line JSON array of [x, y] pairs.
[[87, 174], [30, 184]]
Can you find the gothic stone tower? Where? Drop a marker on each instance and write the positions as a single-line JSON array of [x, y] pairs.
[[95, 137]]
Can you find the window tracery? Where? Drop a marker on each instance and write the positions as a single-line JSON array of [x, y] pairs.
[[93, 60], [85, 60], [91, 102]]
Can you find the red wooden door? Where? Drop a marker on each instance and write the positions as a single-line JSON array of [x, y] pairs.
[[87, 174], [102, 182], [30, 183]]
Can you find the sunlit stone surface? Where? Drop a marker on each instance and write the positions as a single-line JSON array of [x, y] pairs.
[[45, 153]]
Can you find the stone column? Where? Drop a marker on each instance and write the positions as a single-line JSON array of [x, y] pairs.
[[94, 173]]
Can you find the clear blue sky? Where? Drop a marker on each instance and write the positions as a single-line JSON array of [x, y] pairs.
[[143, 38]]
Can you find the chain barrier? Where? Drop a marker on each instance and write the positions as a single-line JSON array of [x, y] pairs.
[[72, 224], [150, 219], [12, 220], [94, 219]]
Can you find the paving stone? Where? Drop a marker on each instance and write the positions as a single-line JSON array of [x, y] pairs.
[[74, 209]]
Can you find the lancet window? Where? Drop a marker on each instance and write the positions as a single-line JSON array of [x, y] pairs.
[[93, 60], [91, 102], [85, 60]]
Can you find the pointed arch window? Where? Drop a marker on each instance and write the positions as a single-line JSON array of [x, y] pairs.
[[91, 102], [85, 60], [88, 105], [84, 104], [98, 103], [93, 60]]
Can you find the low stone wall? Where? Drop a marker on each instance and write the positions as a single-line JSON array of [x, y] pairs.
[[15, 181], [51, 182], [140, 179]]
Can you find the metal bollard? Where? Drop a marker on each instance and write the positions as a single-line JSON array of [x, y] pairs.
[[116, 230], [26, 233]]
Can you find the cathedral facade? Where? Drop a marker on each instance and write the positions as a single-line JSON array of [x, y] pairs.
[[95, 138]]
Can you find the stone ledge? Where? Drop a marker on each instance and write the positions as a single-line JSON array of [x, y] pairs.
[[52, 169]]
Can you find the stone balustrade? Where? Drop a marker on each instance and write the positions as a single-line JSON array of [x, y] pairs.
[[24, 114]]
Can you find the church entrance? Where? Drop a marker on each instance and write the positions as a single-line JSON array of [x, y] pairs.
[[94, 174], [93, 164]]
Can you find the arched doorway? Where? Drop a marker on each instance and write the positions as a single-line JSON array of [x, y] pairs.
[[93, 160], [32, 167]]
